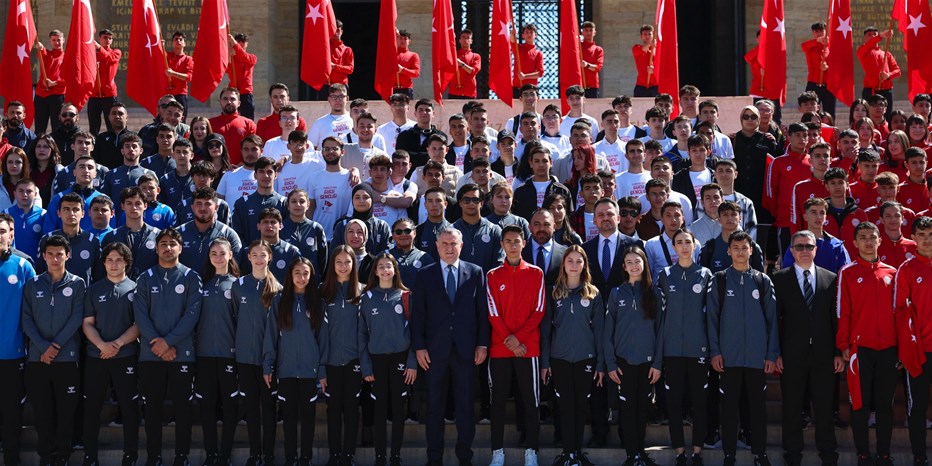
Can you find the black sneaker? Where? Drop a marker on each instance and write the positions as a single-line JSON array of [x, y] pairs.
[[380, 460], [254, 461], [920, 461], [304, 461], [561, 460], [128, 460], [680, 460], [88, 461], [761, 460], [348, 460], [181, 460], [865, 459], [884, 460], [582, 459], [729, 460], [154, 461], [395, 460], [210, 460], [712, 440], [697, 459], [646, 460]]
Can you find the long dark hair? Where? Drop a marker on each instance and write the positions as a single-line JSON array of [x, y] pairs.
[[232, 267], [373, 281], [272, 287], [54, 155], [567, 226], [311, 298], [328, 290], [648, 300]]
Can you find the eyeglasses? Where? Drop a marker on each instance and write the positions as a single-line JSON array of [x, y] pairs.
[[804, 247], [748, 116], [330, 149], [337, 97], [471, 200], [214, 145], [69, 114], [629, 213], [403, 231]]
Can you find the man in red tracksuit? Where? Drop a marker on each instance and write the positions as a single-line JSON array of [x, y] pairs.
[[342, 62], [880, 68], [593, 58], [816, 50], [516, 308], [409, 65], [242, 63], [646, 83], [867, 338], [180, 70], [782, 175], [530, 59], [913, 304], [468, 64], [105, 90]]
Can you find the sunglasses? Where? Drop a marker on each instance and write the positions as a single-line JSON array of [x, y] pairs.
[[214, 145], [403, 231], [69, 114], [471, 200], [629, 213], [804, 247], [748, 116]]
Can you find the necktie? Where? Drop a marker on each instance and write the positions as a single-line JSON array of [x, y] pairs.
[[540, 258], [451, 283], [808, 294], [606, 260]]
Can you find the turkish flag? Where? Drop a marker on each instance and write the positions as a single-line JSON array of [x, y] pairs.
[[79, 67], [501, 48], [18, 41], [211, 53], [443, 51], [146, 80], [853, 377], [666, 55], [839, 78], [909, 347], [320, 24], [772, 51], [386, 58], [913, 18], [570, 55]]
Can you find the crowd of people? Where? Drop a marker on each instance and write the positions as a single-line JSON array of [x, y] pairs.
[[605, 269]]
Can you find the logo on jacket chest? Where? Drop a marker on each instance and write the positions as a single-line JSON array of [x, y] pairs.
[[730, 293], [375, 311]]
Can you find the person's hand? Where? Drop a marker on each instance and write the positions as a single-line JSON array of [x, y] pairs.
[[511, 342], [369, 378], [599, 377], [824, 66], [718, 363], [169, 355], [884, 76], [49, 355], [40, 45], [410, 376], [268, 380], [769, 366], [846, 355], [231, 40], [770, 137], [839, 365], [654, 375], [887, 34], [615, 375], [423, 358], [354, 177], [481, 353], [323, 385], [822, 40], [108, 350], [400, 68], [780, 363], [96, 45], [544, 374], [520, 351], [650, 69], [158, 346]]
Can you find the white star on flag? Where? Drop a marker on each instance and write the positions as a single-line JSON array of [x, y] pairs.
[[313, 12], [506, 29], [21, 53], [915, 24], [844, 26], [779, 28]]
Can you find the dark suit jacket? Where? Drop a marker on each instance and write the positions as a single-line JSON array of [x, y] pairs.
[[410, 141], [798, 325], [438, 325], [556, 260], [683, 184], [593, 252]]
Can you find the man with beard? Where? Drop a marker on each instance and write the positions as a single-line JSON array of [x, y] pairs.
[[330, 196], [169, 114], [197, 234], [17, 134], [268, 127], [241, 182], [108, 151], [336, 123], [63, 135], [233, 127]]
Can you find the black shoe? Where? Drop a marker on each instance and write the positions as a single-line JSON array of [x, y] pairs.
[[366, 437], [348, 460], [395, 460], [761, 460], [597, 441], [484, 416], [210, 460], [181, 460], [885, 460], [920, 461], [744, 439], [712, 440], [254, 461], [225, 461], [792, 459], [865, 459], [335, 459], [561, 460], [805, 421], [88, 461], [680, 460], [729, 460], [459, 462], [291, 462], [697, 459], [646, 460], [128, 460], [380, 460], [582, 459], [61, 461], [268, 460], [839, 423], [631, 461], [154, 461], [304, 461]]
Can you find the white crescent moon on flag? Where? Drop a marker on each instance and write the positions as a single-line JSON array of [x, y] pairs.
[[90, 15]]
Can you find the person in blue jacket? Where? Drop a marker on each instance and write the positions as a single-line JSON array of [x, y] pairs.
[[252, 300], [52, 309], [305, 234], [682, 347], [629, 337], [744, 344], [571, 349], [28, 217], [296, 339], [338, 294], [385, 352], [16, 271], [216, 352]]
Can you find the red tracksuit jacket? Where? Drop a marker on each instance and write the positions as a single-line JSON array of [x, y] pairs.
[[865, 305], [516, 307]]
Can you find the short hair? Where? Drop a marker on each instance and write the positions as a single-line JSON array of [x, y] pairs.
[[103, 199], [729, 206], [796, 128], [481, 162], [681, 118], [240, 37], [653, 145], [121, 249], [337, 87], [204, 168], [660, 159], [815, 201], [205, 193], [633, 143], [457, 117], [835, 173], [278, 86], [921, 223], [481, 139], [436, 137], [297, 136], [590, 179], [876, 99], [663, 97], [866, 226], [606, 200], [848, 133], [870, 29], [742, 235], [587, 24], [404, 33], [710, 187], [84, 135], [551, 108], [129, 193], [399, 98], [921, 98], [358, 102], [436, 189], [171, 233], [55, 32], [426, 102], [888, 204], [914, 152], [670, 205], [807, 97], [689, 90], [726, 163], [130, 138], [646, 28], [464, 31], [229, 90], [468, 187], [253, 139], [367, 116], [609, 113], [55, 241], [606, 173], [698, 140], [530, 87], [575, 89], [820, 145], [622, 99], [288, 108], [175, 104], [105, 32], [270, 212], [401, 154], [380, 160], [513, 228], [165, 128], [263, 163], [333, 139], [147, 178], [528, 116], [708, 103], [529, 27], [887, 179], [868, 155], [73, 198], [630, 202], [431, 165], [182, 142], [179, 34], [655, 112], [818, 26], [803, 234], [401, 220]]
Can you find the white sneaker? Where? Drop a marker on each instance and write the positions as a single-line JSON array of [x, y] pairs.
[[498, 457], [530, 457]]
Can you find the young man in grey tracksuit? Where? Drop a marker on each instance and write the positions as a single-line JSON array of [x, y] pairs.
[[744, 343], [167, 306]]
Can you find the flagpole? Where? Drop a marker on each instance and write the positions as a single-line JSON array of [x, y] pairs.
[[167, 68], [828, 38], [886, 49], [514, 38], [42, 73], [653, 51]]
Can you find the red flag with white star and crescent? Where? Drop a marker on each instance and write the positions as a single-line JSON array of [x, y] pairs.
[[79, 67], [839, 77], [443, 50], [146, 80], [320, 24], [18, 41], [501, 49], [913, 19], [772, 51]]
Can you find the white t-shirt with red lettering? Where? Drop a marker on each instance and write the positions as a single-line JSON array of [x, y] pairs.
[[237, 183], [331, 191], [630, 184], [614, 153]]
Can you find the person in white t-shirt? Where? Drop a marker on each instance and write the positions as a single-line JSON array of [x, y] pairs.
[[330, 192], [337, 122], [576, 98], [389, 131], [662, 169], [530, 94], [391, 201], [689, 181], [460, 145], [611, 146], [626, 130], [657, 121], [553, 134], [297, 170], [480, 175], [241, 181], [357, 108], [507, 164], [632, 182], [721, 144], [277, 147], [583, 219]]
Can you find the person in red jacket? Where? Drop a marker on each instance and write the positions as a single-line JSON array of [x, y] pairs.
[[913, 308], [229, 124], [50, 88], [530, 59], [819, 156], [864, 190], [516, 308], [180, 69], [646, 83], [593, 58], [782, 175], [844, 215], [867, 338], [816, 51], [342, 63], [880, 68], [887, 186], [895, 248], [240, 71], [468, 65], [913, 192], [409, 65], [270, 126], [105, 90]]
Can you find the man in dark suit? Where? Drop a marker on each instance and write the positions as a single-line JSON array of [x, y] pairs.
[[806, 307], [542, 250], [450, 334]]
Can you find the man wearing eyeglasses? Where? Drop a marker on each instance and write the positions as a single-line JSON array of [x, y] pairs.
[[336, 123], [830, 251]]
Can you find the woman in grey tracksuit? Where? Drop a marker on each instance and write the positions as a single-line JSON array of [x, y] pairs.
[[385, 351], [338, 294], [296, 338], [571, 348], [216, 350], [252, 299], [682, 347], [630, 327]]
